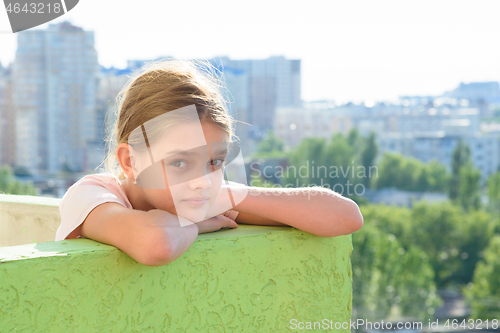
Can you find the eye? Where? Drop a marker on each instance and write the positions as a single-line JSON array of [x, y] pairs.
[[178, 164], [217, 162]]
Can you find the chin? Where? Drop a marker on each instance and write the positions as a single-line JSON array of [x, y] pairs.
[[194, 215]]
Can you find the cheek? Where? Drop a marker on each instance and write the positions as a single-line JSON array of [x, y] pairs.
[[161, 198], [217, 179]]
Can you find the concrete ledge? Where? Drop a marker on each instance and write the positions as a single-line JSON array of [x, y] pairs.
[[249, 279], [28, 219]]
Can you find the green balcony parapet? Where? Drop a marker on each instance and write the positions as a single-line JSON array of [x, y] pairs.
[[248, 279]]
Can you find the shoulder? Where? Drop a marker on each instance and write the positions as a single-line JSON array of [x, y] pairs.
[[99, 183], [99, 179], [86, 194]]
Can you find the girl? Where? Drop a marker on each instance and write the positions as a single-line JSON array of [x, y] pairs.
[[144, 218]]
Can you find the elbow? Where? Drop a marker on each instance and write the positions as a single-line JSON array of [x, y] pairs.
[[158, 253], [357, 218], [163, 254], [350, 222], [158, 258]]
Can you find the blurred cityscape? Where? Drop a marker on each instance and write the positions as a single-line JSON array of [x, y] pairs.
[[55, 102]]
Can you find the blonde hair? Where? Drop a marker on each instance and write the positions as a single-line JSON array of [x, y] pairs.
[[164, 86]]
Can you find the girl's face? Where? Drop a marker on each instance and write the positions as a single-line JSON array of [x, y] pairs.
[[188, 169]]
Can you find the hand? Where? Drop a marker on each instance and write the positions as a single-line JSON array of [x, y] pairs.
[[215, 223]]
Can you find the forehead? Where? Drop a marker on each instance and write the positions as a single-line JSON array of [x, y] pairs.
[[190, 135]]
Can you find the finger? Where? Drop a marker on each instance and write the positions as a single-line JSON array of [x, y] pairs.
[[232, 223]]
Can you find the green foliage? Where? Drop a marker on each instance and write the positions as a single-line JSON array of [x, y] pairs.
[[469, 188], [484, 292], [10, 185], [493, 184], [339, 164], [385, 280], [390, 219], [461, 157], [271, 146], [439, 177], [309, 154], [332, 164], [368, 156], [452, 238], [354, 138], [435, 228], [410, 174], [477, 230]]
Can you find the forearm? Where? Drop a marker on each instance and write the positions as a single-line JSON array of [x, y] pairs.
[[173, 240], [316, 210]]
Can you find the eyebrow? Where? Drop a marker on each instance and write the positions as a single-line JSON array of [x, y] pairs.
[[189, 152]]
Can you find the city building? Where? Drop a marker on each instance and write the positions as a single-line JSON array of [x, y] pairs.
[[7, 119], [439, 146], [256, 88], [54, 82]]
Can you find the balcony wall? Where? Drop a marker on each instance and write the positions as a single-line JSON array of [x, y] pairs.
[[249, 279], [27, 219]]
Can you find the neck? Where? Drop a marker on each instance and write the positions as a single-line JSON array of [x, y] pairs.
[[135, 195]]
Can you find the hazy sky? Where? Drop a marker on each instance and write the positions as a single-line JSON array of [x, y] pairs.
[[350, 50]]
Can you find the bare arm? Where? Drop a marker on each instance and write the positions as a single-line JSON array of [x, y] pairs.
[[319, 211], [127, 229], [153, 238]]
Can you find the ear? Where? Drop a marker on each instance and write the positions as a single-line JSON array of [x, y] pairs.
[[124, 154]]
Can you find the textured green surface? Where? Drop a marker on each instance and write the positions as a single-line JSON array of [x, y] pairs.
[[249, 279]]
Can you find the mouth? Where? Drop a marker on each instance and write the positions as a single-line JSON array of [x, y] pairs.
[[197, 201]]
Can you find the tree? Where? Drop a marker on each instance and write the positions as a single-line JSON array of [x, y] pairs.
[[452, 238], [271, 146], [483, 294], [477, 229], [385, 279], [368, 155], [469, 189], [305, 158], [437, 229], [354, 138], [389, 168], [340, 161], [493, 184], [410, 174], [439, 177], [10, 185], [392, 220], [461, 157]]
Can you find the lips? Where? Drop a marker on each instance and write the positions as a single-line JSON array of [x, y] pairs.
[[196, 201]]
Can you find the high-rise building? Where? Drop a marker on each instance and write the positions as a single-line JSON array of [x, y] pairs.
[[257, 87], [7, 120], [55, 77]]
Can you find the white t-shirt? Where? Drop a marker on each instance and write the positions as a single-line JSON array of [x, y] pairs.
[[89, 192], [86, 194]]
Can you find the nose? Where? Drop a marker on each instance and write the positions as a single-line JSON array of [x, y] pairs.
[[204, 182]]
